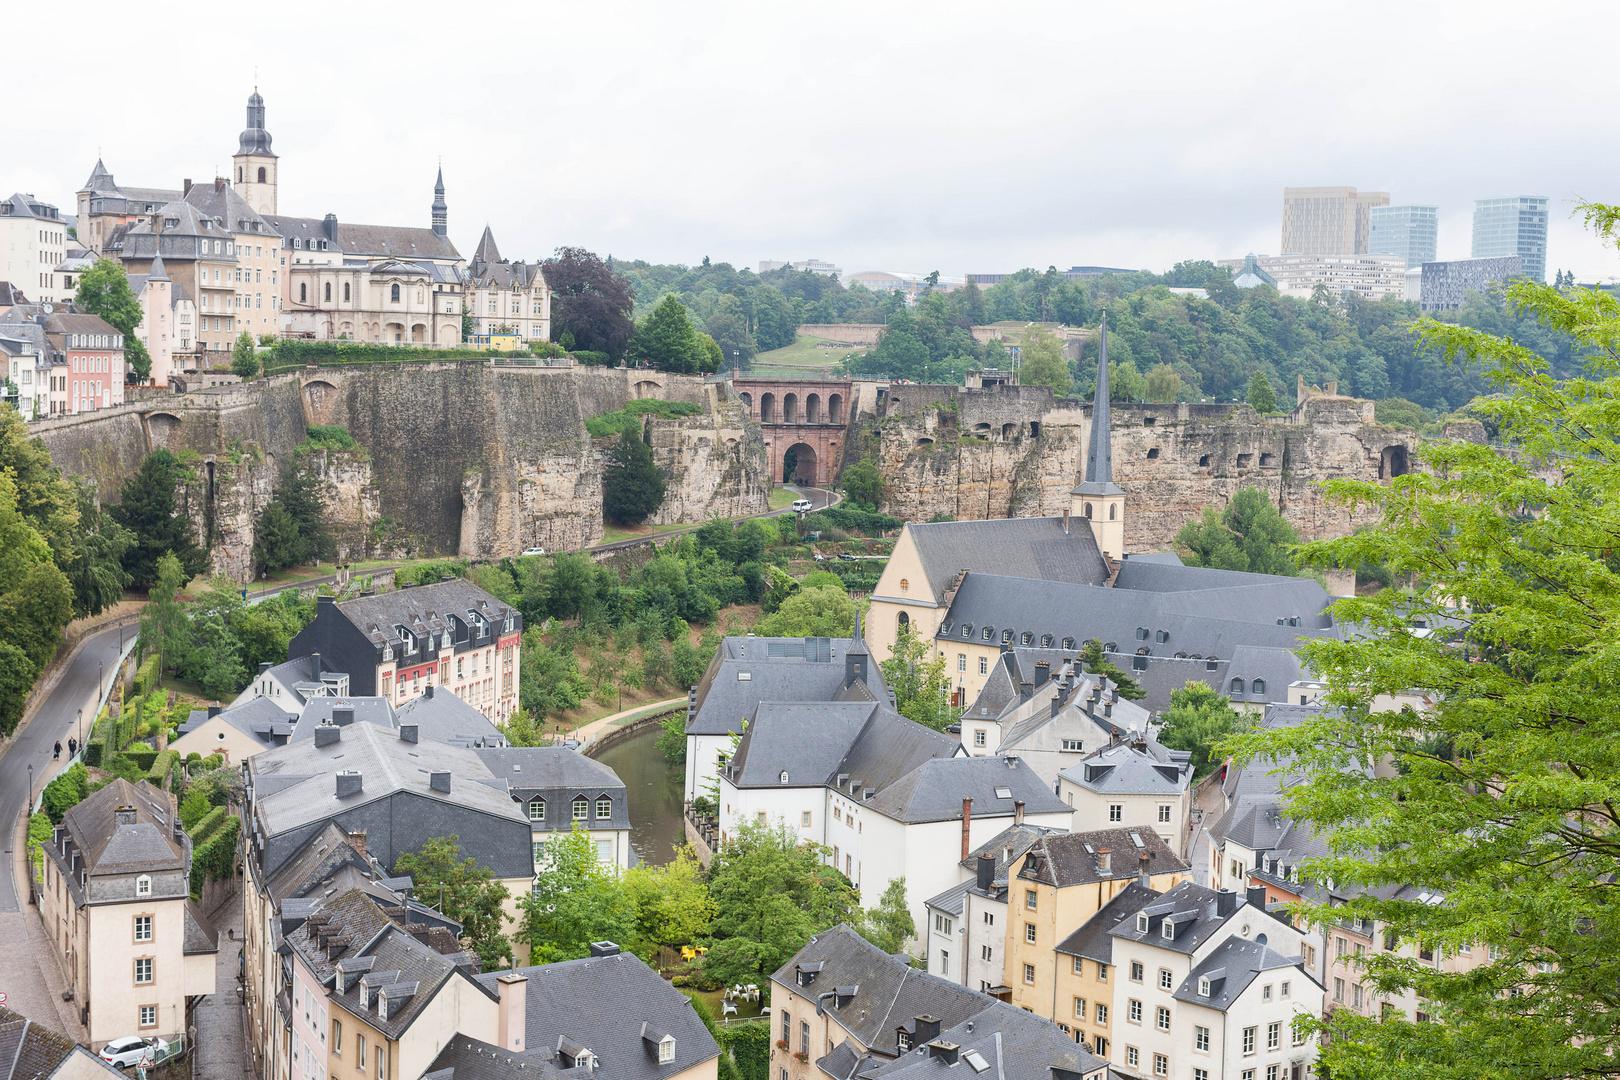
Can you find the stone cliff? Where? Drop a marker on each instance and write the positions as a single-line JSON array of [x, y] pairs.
[[455, 458]]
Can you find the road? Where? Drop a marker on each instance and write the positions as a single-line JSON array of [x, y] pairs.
[[820, 499]]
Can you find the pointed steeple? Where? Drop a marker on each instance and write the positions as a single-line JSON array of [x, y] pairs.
[[1100, 455], [100, 179], [857, 658], [156, 273], [441, 211], [487, 251]]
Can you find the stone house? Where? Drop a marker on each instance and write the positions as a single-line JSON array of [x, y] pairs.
[[116, 903]]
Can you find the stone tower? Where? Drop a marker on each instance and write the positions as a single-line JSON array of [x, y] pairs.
[[441, 212], [254, 162], [1097, 497]]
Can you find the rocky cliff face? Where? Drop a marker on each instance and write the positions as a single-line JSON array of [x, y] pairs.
[[716, 465]]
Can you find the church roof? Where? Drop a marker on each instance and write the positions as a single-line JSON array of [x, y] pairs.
[[389, 241], [255, 139], [487, 251]]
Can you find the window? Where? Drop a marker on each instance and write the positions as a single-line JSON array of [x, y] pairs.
[[1272, 1072], [984, 665], [804, 819], [1101, 1045], [1029, 899], [1029, 974], [537, 807], [989, 918], [1136, 965], [978, 737], [1079, 966], [1355, 995], [1203, 986], [1116, 811], [943, 923], [1164, 813], [1161, 1065], [143, 971], [804, 1037], [1133, 1057], [1248, 1074], [143, 928], [393, 293], [1162, 1018], [148, 1016], [1258, 686], [143, 886], [1200, 1074], [1340, 946], [337, 1037], [1029, 932], [961, 661], [360, 1050], [1102, 972], [1080, 1008], [1102, 1014], [303, 294], [1249, 1034], [1338, 989], [1133, 1011], [1167, 981], [787, 1027], [1237, 686], [328, 292], [1273, 1035], [1167, 929], [944, 962], [1075, 745], [604, 808], [1286, 986], [1265, 992], [582, 808], [985, 952], [1200, 1037]]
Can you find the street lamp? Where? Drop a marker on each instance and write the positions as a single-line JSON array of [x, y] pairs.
[[81, 727]]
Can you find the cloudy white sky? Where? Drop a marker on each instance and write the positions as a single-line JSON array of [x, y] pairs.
[[909, 136]]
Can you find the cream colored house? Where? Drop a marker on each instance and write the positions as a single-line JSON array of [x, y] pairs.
[[33, 243], [505, 293], [1125, 786], [115, 901], [168, 321]]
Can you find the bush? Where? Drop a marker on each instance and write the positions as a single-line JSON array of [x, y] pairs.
[[195, 806], [289, 353], [161, 766], [629, 417], [92, 754], [215, 858], [330, 437], [207, 825], [146, 676], [65, 792], [39, 834], [851, 520], [429, 572], [750, 1047], [142, 756], [594, 359]]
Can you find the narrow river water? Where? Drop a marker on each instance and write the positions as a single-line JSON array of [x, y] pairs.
[[654, 788]]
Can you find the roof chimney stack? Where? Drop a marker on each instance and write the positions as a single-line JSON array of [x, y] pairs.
[[604, 948], [407, 733], [187, 191], [348, 783], [325, 735], [512, 1016], [440, 782], [124, 815], [1018, 811], [967, 820], [986, 872]]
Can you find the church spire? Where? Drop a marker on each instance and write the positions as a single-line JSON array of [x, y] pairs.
[[1096, 497], [1100, 456], [441, 211]]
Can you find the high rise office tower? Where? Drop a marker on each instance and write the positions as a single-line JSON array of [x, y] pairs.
[[1327, 220], [1513, 226], [1409, 231]]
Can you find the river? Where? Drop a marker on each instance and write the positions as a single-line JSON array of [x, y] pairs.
[[654, 788]]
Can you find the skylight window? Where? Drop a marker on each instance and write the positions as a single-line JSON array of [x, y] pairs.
[[1003, 793], [976, 1061]]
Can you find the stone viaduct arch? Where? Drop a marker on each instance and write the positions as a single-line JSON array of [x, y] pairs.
[[801, 415]]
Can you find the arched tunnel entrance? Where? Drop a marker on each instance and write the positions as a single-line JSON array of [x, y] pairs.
[[799, 464]]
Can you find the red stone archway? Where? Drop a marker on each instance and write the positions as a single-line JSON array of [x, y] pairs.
[[812, 412]]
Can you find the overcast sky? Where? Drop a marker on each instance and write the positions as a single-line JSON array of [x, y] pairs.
[[953, 136]]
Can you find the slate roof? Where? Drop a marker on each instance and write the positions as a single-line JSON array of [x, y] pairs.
[[1008, 846], [807, 740], [844, 1061], [557, 774], [200, 936], [952, 899], [224, 204], [487, 252], [26, 206], [109, 848], [566, 1001], [1231, 967], [441, 716], [30, 1051], [1122, 770], [1093, 940], [1029, 548], [409, 971], [1195, 912], [425, 606], [889, 992], [1073, 858], [724, 699], [258, 717], [373, 241], [935, 789], [1008, 1041]]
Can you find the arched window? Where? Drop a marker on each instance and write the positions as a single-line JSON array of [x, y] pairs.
[[262, 174], [1113, 511], [537, 810], [345, 292], [1237, 686], [303, 293], [239, 174], [393, 292], [901, 621], [582, 808], [1088, 510], [328, 292]]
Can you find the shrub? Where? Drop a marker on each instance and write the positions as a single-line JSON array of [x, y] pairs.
[[750, 1047], [207, 825], [161, 766], [630, 416], [39, 834], [65, 792], [330, 437], [594, 359], [851, 520], [142, 756], [146, 676], [215, 858], [195, 806], [92, 755]]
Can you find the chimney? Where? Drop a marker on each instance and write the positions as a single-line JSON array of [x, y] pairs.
[[1018, 811], [986, 872], [325, 735], [428, 692], [512, 1017], [329, 227], [407, 733], [219, 183], [124, 815], [1065, 521], [604, 948], [213, 711], [1256, 895], [967, 820], [945, 1051], [927, 1028], [1105, 860], [440, 782], [357, 840], [264, 667], [343, 716], [348, 783], [1226, 903], [187, 190]]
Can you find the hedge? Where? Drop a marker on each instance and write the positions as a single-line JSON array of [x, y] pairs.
[[853, 521], [215, 858], [208, 825], [163, 764], [630, 416], [146, 676], [92, 755], [142, 756], [750, 1047], [65, 792], [293, 352]]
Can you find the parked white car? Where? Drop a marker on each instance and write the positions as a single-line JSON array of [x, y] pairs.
[[801, 505], [133, 1050], [532, 551]]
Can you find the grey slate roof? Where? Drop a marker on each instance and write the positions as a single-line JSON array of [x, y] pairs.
[[200, 935], [424, 606], [1122, 770], [1093, 940], [372, 241], [807, 740], [604, 1004], [1195, 912], [889, 995], [557, 774], [777, 669], [1008, 846], [148, 845], [441, 716], [224, 204], [258, 717], [1030, 548], [1008, 1041], [1230, 967], [408, 970], [844, 1061], [951, 900], [935, 789], [1074, 858]]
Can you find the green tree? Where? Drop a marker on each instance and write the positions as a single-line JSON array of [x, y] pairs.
[[1250, 534], [921, 684], [244, 356], [1042, 362], [771, 892], [632, 484], [1505, 846], [95, 568], [465, 891], [666, 340], [1199, 719], [889, 925], [1163, 384], [1094, 658], [863, 483], [164, 627], [104, 290], [577, 899], [146, 507], [36, 600], [1261, 396], [672, 739], [672, 902], [821, 611]]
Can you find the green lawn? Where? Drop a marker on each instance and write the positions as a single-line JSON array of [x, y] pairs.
[[612, 534], [782, 498], [806, 351]]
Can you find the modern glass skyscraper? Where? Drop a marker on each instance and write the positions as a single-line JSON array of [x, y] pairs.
[[1515, 226], [1412, 232]]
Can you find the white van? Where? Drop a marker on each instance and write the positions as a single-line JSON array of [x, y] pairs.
[[801, 505]]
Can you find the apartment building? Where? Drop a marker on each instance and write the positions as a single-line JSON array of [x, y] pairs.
[[33, 243], [505, 293], [1126, 787], [967, 937], [1328, 220]]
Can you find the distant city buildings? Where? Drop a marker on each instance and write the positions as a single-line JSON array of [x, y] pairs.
[[1513, 226], [984, 281], [1370, 277], [1444, 284], [1409, 231], [811, 266], [911, 286], [33, 243], [1328, 220]]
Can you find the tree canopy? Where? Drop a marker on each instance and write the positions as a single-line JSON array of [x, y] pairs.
[[463, 889], [666, 340], [816, 611], [104, 290], [1043, 363], [146, 507], [1198, 720], [632, 484], [1249, 534], [590, 303], [1094, 659]]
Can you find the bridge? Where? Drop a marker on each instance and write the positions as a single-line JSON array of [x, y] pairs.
[[803, 421]]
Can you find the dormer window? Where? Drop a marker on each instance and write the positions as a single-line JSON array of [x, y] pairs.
[[902, 1041], [666, 1049], [1258, 686], [967, 629], [537, 810], [143, 885], [1167, 930], [604, 808], [1141, 923], [989, 632], [1237, 686], [1203, 986], [783, 778]]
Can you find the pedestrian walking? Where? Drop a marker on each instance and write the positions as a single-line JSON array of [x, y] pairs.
[[73, 747], [58, 749]]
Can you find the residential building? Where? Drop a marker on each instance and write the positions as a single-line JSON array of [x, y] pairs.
[[1085, 974], [966, 936], [199, 251], [1059, 884], [842, 1007], [253, 297], [808, 266], [115, 900], [1328, 220], [560, 789], [33, 243], [291, 684], [1445, 285], [104, 206], [1209, 985], [92, 355], [395, 644], [168, 320], [1413, 232], [1513, 226], [502, 293], [77, 260], [27, 362], [1126, 786], [30, 1051]]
